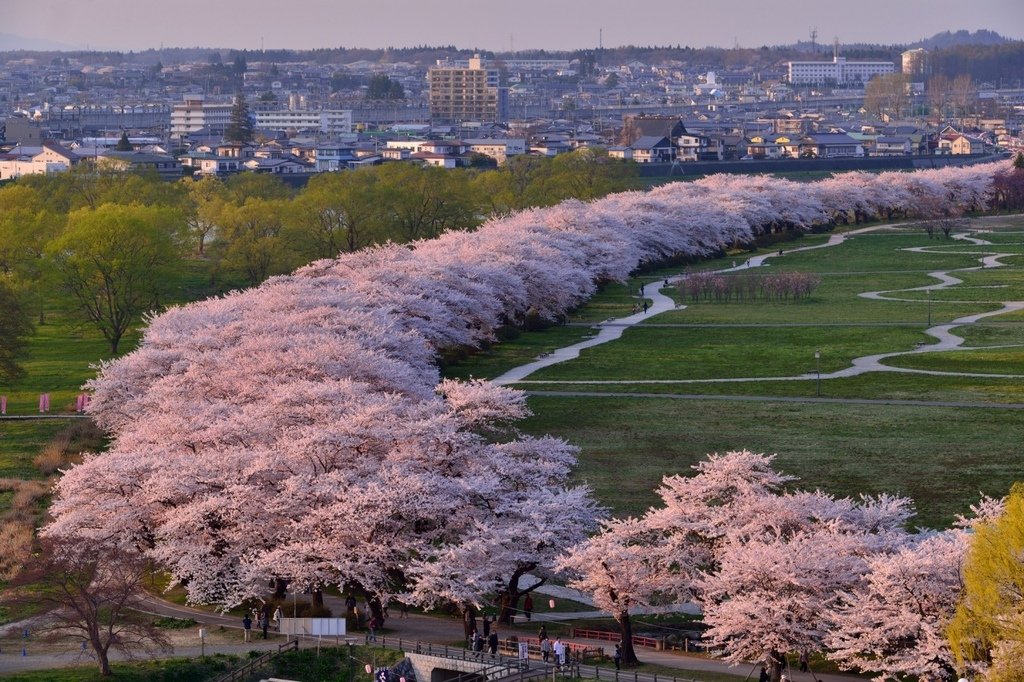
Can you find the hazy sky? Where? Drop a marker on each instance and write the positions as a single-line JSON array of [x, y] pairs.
[[487, 24]]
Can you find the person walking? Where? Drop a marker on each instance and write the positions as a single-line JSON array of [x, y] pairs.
[[542, 634], [264, 623], [545, 649], [247, 626], [373, 625], [278, 615], [559, 650], [617, 656], [492, 643], [646, 306]]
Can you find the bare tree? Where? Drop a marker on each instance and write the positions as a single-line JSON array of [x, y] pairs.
[[88, 595]]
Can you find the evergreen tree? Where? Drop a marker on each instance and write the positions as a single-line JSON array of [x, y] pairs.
[[240, 128], [123, 145]]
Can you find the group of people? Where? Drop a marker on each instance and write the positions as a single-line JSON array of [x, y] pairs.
[[547, 647], [476, 640], [261, 618]]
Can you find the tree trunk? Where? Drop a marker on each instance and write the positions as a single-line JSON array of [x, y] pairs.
[[376, 608], [468, 620], [509, 598], [102, 659], [626, 649], [280, 588], [318, 599], [776, 665]]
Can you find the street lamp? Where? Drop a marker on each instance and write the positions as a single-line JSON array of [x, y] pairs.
[[817, 370]]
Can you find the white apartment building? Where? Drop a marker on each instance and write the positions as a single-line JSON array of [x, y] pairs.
[[837, 72], [327, 121], [195, 113]]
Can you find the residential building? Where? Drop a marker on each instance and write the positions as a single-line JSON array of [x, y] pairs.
[[471, 93], [830, 146], [960, 144], [893, 145], [326, 121], [195, 114], [652, 149], [50, 157], [839, 71], [915, 64], [497, 149], [164, 165]]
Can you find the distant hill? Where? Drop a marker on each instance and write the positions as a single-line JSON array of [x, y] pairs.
[[961, 37], [11, 42]]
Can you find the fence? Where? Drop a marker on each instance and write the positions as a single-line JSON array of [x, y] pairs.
[[255, 664]]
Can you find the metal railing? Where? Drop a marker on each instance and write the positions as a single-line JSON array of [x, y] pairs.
[[239, 674]]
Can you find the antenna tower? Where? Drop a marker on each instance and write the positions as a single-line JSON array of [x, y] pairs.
[[814, 39]]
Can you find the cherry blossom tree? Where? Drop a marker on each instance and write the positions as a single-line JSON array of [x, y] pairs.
[[894, 623], [621, 568], [765, 564]]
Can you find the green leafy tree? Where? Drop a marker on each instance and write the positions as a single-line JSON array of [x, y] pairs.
[[988, 628], [588, 174], [382, 87], [203, 201], [338, 212], [16, 321], [424, 202], [240, 127], [116, 263], [252, 242], [27, 223], [245, 186]]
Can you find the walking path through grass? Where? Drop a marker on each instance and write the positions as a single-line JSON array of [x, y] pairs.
[[946, 340]]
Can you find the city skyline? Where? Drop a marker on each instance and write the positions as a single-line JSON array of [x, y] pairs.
[[487, 25]]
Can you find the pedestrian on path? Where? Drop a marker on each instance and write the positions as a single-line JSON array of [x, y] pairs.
[[617, 656], [487, 626], [247, 626], [645, 307], [559, 650], [277, 618], [264, 624], [492, 643], [542, 634], [545, 649], [373, 625]]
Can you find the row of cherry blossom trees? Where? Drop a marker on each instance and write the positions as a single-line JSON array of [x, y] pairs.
[[298, 430], [777, 571]]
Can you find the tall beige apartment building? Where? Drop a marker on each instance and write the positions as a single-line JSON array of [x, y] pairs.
[[465, 93]]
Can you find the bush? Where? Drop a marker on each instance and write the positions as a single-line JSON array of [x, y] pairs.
[[79, 436], [171, 623]]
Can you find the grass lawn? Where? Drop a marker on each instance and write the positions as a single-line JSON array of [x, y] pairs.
[[721, 352], [940, 457]]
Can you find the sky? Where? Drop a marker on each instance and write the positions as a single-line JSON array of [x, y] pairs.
[[488, 24]]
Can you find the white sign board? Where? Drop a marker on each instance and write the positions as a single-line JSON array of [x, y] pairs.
[[312, 627]]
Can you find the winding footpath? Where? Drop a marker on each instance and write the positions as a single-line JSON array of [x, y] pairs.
[[946, 340]]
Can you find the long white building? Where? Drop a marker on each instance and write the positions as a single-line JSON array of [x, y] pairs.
[[837, 72], [327, 121]]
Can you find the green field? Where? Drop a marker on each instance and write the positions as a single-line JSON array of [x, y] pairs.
[[943, 457]]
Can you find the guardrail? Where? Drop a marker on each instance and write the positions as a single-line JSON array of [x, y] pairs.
[[607, 636], [240, 674]]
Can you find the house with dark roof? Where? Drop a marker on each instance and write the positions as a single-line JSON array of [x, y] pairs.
[[652, 149], [830, 146]]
